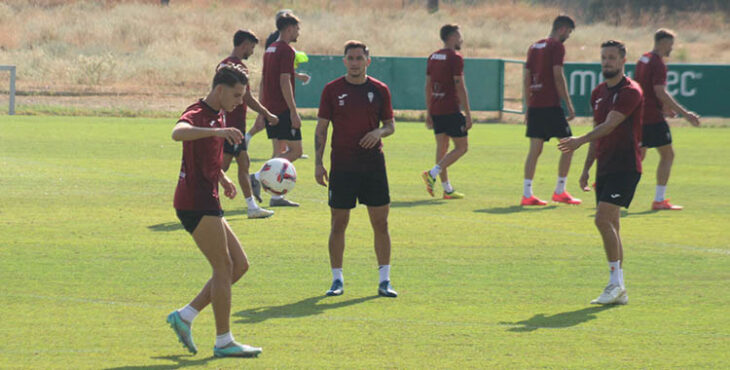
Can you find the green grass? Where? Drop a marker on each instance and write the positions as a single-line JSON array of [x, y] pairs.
[[92, 259]]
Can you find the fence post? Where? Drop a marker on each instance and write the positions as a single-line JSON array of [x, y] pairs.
[[11, 109]]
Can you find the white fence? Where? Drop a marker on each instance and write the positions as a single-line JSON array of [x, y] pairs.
[[11, 109]]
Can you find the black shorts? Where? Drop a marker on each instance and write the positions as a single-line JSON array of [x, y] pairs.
[[544, 123], [283, 130], [234, 150], [617, 188], [369, 188], [655, 135], [453, 125], [191, 219]]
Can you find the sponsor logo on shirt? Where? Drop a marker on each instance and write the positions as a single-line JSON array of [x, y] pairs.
[[438, 56], [271, 49], [644, 59], [539, 45]]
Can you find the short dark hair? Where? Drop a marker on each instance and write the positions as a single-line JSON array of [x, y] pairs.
[[615, 44], [663, 33], [447, 30], [563, 21], [286, 20], [354, 44], [242, 35], [230, 74]]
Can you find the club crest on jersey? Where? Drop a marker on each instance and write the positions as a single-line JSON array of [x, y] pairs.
[[371, 96], [212, 123]]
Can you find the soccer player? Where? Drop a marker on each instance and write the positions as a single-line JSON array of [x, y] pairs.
[[202, 131], [651, 74], [260, 124], [244, 44], [278, 98], [614, 143], [445, 97], [544, 86], [356, 104]]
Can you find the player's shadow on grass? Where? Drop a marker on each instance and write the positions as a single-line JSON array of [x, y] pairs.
[[416, 203], [303, 308], [180, 361], [174, 226], [557, 321], [514, 209]]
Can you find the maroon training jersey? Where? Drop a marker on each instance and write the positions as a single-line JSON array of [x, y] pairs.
[[651, 71], [278, 59], [619, 150], [197, 188], [541, 58], [442, 66], [354, 111], [237, 117]]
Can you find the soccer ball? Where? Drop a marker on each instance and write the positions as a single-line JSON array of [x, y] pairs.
[[278, 176]]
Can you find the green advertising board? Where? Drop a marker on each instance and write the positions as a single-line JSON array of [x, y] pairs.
[[702, 88], [406, 78]]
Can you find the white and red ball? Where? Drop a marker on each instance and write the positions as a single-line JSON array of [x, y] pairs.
[[278, 176]]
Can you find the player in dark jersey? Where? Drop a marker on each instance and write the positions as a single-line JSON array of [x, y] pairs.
[[544, 86], [244, 44], [202, 131], [651, 74], [356, 104], [260, 124], [278, 98], [614, 143], [445, 97]]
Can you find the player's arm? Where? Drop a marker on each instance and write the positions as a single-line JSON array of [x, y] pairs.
[[427, 94], [526, 80], [184, 131], [590, 158], [320, 140], [288, 92], [668, 101], [562, 86], [371, 138], [463, 98], [257, 107], [613, 119], [302, 77]]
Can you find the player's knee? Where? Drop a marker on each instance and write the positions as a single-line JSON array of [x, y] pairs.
[[667, 154], [296, 151], [603, 222], [339, 226], [223, 265], [380, 225]]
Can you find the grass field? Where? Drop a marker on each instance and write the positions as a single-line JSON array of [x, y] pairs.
[[92, 259]]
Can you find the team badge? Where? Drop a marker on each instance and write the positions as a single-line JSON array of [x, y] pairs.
[[371, 96]]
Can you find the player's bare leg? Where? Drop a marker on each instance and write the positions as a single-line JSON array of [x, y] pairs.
[[253, 211], [381, 241], [293, 151], [607, 223], [666, 159], [528, 199], [258, 125], [442, 147], [340, 219]]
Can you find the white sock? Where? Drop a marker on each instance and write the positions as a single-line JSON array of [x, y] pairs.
[[614, 269], [337, 274], [188, 313], [251, 203], [277, 197], [435, 171], [560, 186], [661, 190], [621, 277], [257, 176], [527, 189], [447, 186], [223, 340], [384, 271]]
